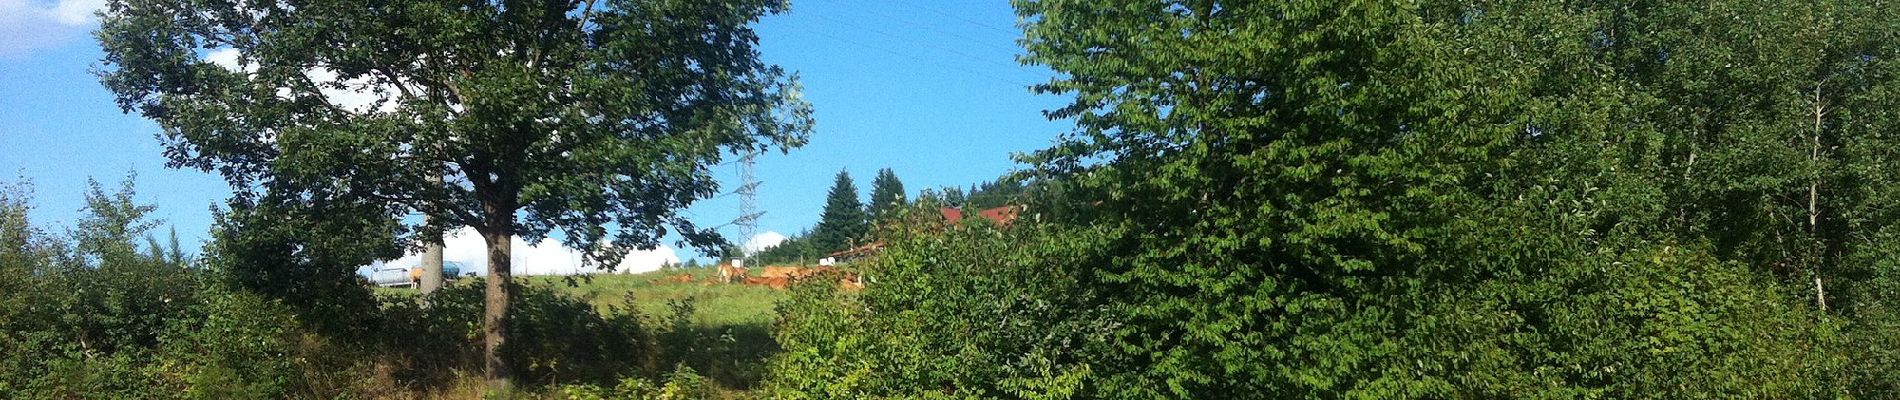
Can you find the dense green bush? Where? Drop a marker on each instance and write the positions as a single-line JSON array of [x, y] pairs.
[[1413, 200], [559, 339], [681, 384], [976, 311], [100, 316], [1028, 312]]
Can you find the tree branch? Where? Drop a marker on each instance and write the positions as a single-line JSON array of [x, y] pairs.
[[586, 12]]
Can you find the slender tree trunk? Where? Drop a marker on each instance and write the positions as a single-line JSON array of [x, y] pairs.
[[495, 311], [1814, 199]]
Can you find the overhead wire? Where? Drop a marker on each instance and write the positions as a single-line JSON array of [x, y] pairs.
[[966, 20]]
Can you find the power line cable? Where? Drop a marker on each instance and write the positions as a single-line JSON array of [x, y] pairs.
[[957, 17]]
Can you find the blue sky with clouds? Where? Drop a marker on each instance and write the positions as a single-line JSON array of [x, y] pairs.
[[930, 89]]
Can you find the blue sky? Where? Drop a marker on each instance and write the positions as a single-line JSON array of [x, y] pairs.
[[930, 89]]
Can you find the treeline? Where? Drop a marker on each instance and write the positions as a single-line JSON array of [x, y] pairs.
[[847, 222], [1413, 200]]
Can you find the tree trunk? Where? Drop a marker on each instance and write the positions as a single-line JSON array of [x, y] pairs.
[[431, 258], [495, 311], [431, 269], [1814, 200]]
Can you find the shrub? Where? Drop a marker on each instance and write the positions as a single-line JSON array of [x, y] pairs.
[[235, 345], [974, 311], [681, 384], [556, 339]]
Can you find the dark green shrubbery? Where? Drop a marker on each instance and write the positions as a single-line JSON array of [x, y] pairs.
[[100, 316], [1428, 199], [682, 384], [1034, 312], [559, 339]]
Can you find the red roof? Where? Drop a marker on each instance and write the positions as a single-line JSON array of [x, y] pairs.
[[951, 214], [1001, 215]]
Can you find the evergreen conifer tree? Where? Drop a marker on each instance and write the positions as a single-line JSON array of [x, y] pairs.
[[844, 219]]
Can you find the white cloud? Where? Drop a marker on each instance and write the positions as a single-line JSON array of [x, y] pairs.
[[762, 241], [77, 12], [227, 58], [548, 257], [360, 95], [27, 25]]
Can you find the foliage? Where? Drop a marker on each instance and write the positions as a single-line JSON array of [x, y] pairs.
[[305, 257], [510, 118], [681, 384], [1385, 200], [974, 312], [121, 320], [887, 195], [844, 221], [997, 193], [99, 317], [801, 249], [562, 339]]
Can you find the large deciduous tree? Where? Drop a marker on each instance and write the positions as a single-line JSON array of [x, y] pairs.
[[596, 119]]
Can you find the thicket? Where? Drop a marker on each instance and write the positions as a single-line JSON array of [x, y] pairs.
[[105, 311], [1412, 200]]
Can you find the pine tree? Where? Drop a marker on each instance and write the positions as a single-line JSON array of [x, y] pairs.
[[844, 220], [887, 194]]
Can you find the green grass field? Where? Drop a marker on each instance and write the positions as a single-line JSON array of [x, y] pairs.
[[651, 295], [721, 330]]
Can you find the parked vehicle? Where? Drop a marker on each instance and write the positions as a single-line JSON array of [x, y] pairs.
[[409, 277], [392, 277]]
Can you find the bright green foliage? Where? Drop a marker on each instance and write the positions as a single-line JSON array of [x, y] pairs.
[[559, 339], [887, 195], [1437, 200], [305, 257], [970, 313], [631, 102], [101, 318], [844, 221], [237, 346], [599, 119], [1395, 200], [681, 384], [1274, 174]]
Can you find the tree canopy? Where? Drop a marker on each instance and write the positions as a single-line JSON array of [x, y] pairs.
[[1432, 199], [595, 119]]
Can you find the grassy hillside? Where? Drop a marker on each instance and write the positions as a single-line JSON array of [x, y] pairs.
[[653, 294], [721, 330]]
